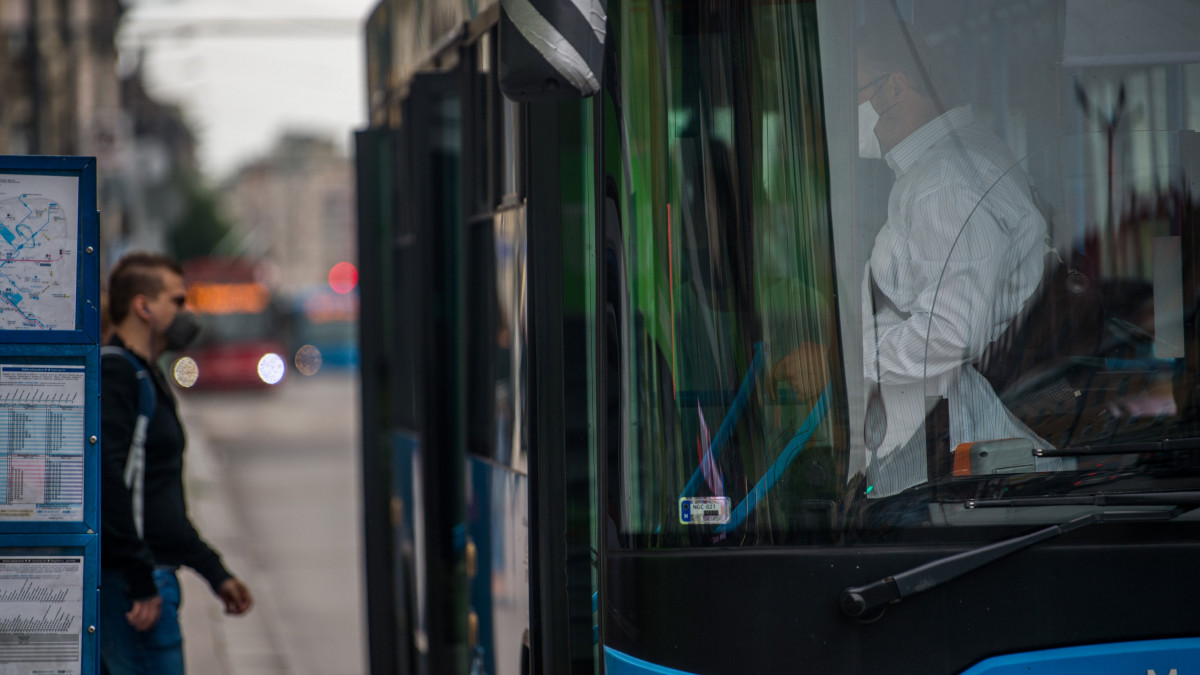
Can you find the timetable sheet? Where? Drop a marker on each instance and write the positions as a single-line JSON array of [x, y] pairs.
[[41, 442], [41, 615]]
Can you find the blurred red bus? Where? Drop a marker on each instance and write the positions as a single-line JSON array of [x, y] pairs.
[[240, 346]]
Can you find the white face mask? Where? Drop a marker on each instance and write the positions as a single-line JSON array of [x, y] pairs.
[[868, 142]]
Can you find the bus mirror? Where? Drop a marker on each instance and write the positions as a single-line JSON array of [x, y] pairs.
[[984, 458], [551, 50]]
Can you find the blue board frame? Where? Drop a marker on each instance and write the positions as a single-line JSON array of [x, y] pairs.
[[87, 276], [77, 346]]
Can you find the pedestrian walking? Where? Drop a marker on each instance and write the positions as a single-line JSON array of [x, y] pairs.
[[147, 534]]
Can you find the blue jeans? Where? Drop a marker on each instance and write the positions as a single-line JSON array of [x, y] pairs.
[[125, 651]]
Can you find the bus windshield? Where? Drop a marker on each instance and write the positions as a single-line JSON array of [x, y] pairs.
[[872, 266]]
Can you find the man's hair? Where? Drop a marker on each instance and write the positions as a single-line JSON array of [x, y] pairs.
[[896, 46], [137, 274]]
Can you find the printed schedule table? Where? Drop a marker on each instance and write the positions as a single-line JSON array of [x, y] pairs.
[[42, 425], [41, 613]]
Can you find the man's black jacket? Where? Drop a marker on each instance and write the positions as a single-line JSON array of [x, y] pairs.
[[170, 537]]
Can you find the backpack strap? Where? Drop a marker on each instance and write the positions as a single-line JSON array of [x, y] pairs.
[[135, 459]]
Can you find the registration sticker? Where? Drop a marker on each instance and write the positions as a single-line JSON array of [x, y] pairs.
[[704, 510]]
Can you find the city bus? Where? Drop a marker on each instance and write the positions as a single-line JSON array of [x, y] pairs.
[[733, 336], [240, 344]]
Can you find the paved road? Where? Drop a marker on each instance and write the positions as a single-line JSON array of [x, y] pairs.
[[274, 484]]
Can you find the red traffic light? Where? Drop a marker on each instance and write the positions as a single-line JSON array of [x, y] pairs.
[[343, 277]]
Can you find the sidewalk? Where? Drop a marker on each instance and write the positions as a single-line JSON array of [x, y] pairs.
[[216, 644]]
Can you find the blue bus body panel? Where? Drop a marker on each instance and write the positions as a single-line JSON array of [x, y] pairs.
[[1161, 657], [1157, 657], [617, 663]]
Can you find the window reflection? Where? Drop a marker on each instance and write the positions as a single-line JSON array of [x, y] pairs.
[[1102, 356], [722, 293], [497, 372], [511, 340]]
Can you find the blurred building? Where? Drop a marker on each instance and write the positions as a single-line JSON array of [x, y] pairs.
[[144, 177], [294, 208], [60, 72], [64, 95]]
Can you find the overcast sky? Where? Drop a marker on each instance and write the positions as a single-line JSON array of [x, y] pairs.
[[247, 70]]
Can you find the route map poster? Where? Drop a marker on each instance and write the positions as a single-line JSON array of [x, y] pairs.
[[41, 615], [41, 442], [39, 235]]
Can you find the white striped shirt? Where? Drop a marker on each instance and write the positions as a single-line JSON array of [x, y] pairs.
[[961, 252]]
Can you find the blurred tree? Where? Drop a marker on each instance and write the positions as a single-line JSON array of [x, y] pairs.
[[201, 226]]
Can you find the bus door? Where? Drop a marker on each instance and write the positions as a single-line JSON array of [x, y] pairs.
[[417, 370], [433, 419], [495, 391], [529, 497], [387, 522], [445, 354]]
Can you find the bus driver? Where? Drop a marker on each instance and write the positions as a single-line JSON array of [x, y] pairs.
[[961, 252]]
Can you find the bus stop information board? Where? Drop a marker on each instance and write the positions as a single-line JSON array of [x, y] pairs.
[[49, 416]]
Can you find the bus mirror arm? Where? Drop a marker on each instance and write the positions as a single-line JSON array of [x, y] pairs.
[[866, 603]]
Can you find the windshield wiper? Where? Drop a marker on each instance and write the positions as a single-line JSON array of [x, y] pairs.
[[867, 602]]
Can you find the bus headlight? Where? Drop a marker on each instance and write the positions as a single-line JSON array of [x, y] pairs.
[[271, 368], [185, 371]]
